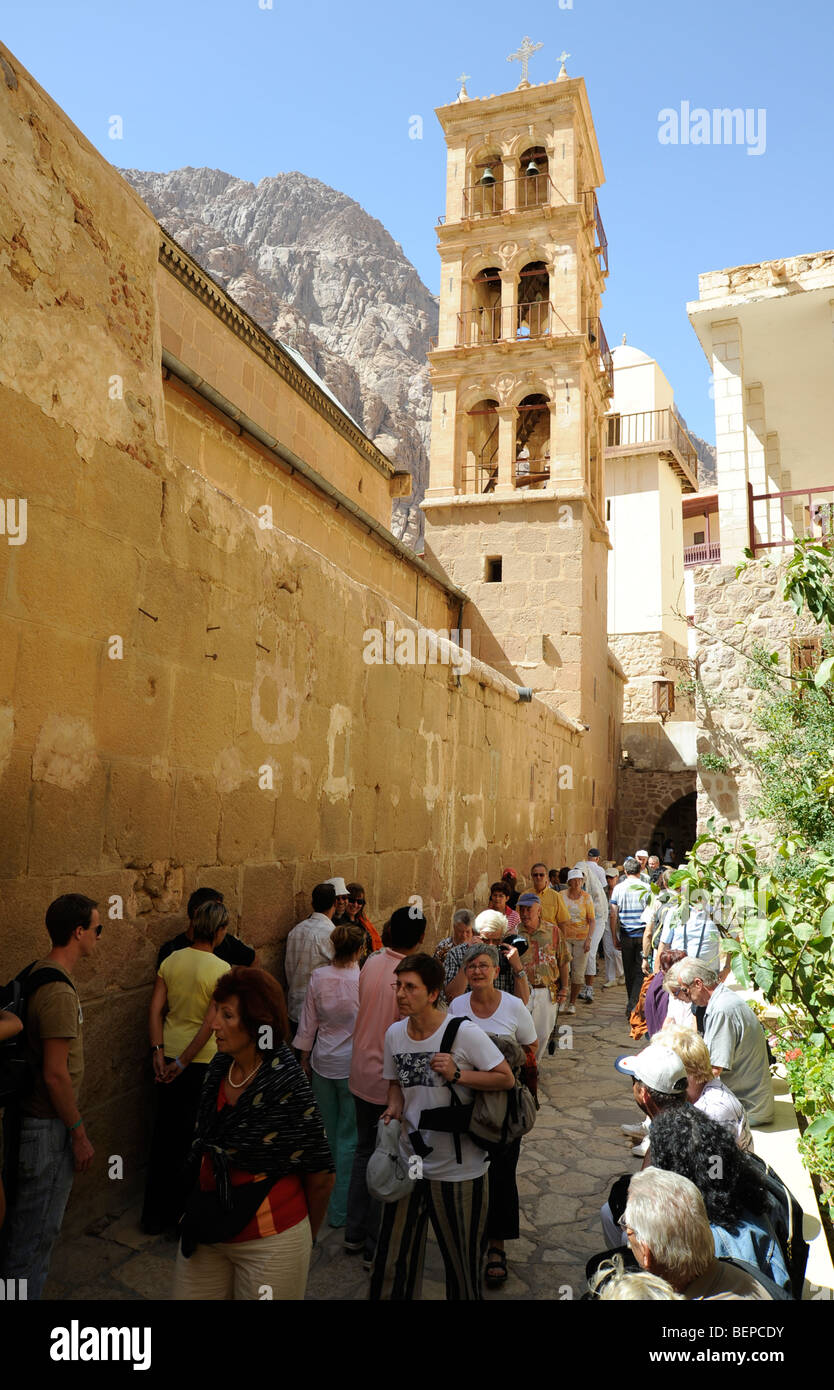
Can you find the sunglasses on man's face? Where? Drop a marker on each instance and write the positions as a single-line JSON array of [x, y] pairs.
[[99, 929]]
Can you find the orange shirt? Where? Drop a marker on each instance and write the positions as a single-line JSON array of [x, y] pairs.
[[283, 1206]]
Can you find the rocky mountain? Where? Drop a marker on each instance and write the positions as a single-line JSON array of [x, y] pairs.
[[707, 461], [320, 274]]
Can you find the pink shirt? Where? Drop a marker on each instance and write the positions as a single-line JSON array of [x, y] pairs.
[[377, 1011], [328, 1019]]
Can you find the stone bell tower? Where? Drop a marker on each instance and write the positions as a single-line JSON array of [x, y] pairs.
[[522, 377]]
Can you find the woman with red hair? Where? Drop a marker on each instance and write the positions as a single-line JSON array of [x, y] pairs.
[[260, 1167]]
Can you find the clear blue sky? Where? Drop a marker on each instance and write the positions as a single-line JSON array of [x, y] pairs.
[[329, 89]]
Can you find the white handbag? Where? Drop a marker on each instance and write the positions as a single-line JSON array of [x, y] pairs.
[[387, 1175]]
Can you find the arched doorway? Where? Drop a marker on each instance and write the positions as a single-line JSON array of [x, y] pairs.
[[678, 824]]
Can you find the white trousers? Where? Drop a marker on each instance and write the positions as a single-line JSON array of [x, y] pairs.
[[273, 1268], [544, 1017], [599, 929], [613, 959]]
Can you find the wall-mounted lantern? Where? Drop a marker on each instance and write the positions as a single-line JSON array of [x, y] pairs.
[[663, 697]]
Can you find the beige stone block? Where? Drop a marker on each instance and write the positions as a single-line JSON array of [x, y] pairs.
[[412, 821], [10, 631], [382, 693], [119, 494], [267, 913], [23, 903], [56, 671], [202, 720], [134, 705], [38, 459], [138, 824], [334, 827], [246, 820], [364, 811], [116, 1033], [176, 629], [15, 796], [67, 826], [55, 593], [397, 879], [196, 818]]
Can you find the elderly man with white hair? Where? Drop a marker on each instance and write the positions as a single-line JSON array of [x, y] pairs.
[[668, 1230], [490, 926], [462, 933], [734, 1036]]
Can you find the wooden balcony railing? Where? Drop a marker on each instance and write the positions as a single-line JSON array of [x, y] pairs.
[[652, 427], [708, 553], [812, 521], [514, 322], [511, 195]]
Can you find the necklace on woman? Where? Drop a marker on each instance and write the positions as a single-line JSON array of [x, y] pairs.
[[239, 1084]]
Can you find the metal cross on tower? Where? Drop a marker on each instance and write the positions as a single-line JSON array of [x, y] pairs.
[[463, 79], [523, 56]]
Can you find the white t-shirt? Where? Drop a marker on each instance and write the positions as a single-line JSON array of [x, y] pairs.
[[718, 1102], [511, 1019], [408, 1061]]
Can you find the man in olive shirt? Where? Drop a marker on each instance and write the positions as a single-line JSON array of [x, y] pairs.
[[231, 949], [53, 1141]]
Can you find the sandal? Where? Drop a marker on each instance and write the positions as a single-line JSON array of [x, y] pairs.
[[495, 1273]]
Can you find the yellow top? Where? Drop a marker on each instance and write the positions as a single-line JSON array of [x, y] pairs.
[[190, 977], [553, 908]]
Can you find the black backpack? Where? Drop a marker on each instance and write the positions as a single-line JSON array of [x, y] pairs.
[[503, 1115], [17, 1066]]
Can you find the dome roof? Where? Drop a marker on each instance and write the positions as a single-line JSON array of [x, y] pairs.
[[627, 356]]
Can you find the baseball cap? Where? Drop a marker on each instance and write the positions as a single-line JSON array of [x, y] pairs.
[[528, 899], [641, 854], [593, 854], [575, 873], [656, 1066], [509, 873]]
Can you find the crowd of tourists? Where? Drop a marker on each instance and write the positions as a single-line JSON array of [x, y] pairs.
[[388, 1089]]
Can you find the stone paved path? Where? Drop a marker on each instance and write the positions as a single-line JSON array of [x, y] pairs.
[[567, 1165]]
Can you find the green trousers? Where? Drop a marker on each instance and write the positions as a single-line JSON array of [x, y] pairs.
[[339, 1114]]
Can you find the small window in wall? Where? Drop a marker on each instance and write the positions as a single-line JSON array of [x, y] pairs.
[[699, 538], [493, 566], [608, 510], [593, 793]]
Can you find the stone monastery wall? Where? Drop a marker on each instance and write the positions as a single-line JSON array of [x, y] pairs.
[[183, 696], [744, 610]]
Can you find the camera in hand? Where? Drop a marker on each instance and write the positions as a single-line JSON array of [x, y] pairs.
[[520, 942]]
